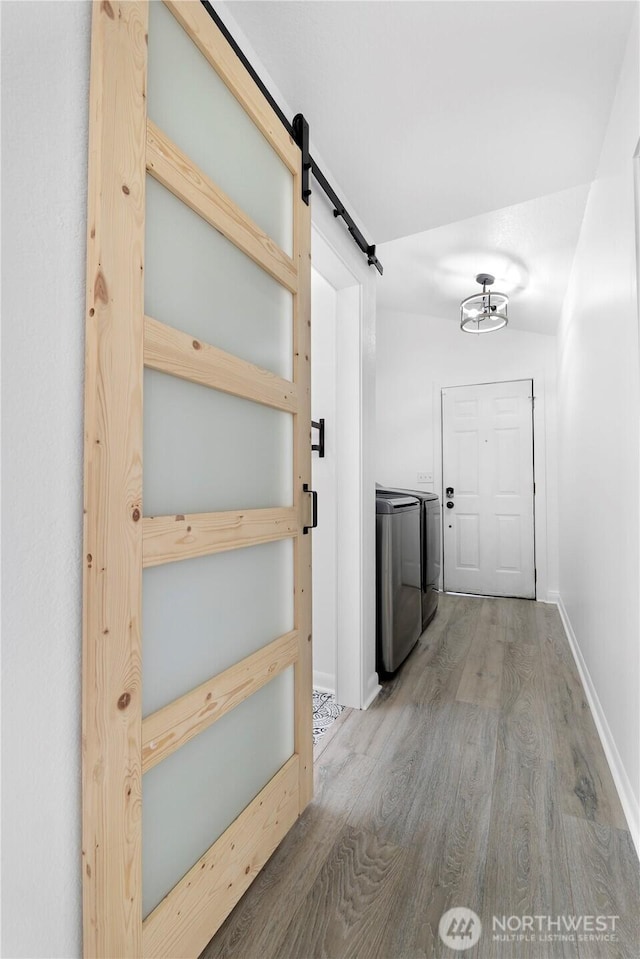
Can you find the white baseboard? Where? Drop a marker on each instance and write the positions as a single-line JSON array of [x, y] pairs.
[[324, 682], [618, 772], [553, 597], [373, 688]]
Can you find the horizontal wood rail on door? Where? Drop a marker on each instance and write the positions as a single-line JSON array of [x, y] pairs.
[[173, 169], [174, 725], [166, 539], [179, 354]]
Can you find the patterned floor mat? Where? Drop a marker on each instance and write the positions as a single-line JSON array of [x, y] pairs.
[[325, 711]]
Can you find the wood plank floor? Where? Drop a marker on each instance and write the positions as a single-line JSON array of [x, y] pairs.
[[476, 779]]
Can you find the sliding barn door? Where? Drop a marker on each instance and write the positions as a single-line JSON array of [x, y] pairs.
[[197, 720]]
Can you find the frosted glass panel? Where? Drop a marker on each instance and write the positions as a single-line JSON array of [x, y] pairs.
[[200, 283], [189, 799], [200, 616], [190, 103], [206, 451]]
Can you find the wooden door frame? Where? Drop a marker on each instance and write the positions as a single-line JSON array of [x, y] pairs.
[[118, 745]]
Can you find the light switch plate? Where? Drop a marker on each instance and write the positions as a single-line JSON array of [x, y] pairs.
[[425, 477]]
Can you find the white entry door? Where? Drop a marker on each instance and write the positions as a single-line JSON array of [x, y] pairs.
[[487, 473]]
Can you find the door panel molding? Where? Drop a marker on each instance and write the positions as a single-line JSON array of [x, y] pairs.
[[118, 746]]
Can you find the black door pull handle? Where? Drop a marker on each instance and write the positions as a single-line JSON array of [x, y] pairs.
[[319, 446], [314, 508]]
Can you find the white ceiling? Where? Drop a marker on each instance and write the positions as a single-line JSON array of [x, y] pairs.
[[528, 247], [437, 111]]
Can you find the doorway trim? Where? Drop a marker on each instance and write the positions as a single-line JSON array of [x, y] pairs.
[[356, 679], [542, 504]]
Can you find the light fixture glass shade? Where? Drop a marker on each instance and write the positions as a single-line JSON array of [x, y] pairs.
[[484, 312]]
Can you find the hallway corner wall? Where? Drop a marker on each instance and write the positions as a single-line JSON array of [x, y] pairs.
[[599, 426]]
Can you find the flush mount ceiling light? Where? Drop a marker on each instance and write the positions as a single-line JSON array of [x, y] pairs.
[[484, 312]]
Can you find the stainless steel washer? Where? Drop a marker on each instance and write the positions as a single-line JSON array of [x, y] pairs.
[[429, 546], [399, 593]]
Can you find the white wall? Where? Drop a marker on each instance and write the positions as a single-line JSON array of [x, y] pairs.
[[598, 440], [45, 72], [417, 355], [323, 404]]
